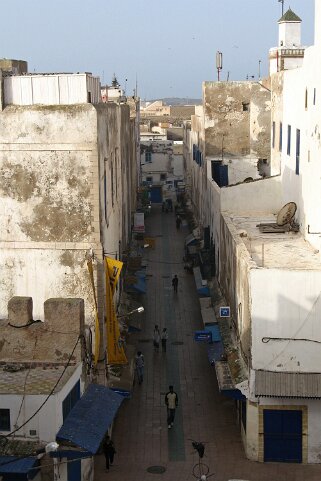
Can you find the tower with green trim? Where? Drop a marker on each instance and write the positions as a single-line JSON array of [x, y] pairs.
[[289, 53]]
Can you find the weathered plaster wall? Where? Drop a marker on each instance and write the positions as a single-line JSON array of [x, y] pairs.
[[229, 126], [50, 341], [198, 173], [52, 198], [47, 215], [234, 278]]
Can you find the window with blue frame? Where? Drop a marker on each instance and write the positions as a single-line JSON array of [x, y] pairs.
[[280, 137], [70, 400], [297, 154], [148, 157], [194, 151], [288, 150]]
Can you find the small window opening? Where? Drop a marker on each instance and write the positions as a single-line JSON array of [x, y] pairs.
[[288, 150], [246, 106]]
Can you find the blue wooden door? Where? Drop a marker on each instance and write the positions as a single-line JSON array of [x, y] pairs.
[[74, 470], [156, 195], [283, 436]]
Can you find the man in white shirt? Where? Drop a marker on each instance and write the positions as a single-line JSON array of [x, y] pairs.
[[171, 401]]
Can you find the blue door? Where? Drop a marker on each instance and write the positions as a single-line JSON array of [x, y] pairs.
[[74, 470], [283, 436], [156, 195]]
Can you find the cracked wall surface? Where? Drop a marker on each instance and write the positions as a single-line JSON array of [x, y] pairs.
[[52, 199], [237, 119]]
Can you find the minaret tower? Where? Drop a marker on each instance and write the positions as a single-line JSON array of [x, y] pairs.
[[289, 53]]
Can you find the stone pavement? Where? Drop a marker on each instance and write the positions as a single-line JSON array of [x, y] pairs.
[[140, 433]]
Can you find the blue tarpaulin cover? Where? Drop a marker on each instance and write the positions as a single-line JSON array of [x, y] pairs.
[[215, 350], [89, 419], [20, 466], [140, 283]]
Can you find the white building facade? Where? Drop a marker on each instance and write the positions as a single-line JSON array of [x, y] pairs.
[[271, 276]]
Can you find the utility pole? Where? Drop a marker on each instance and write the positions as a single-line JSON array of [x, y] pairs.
[[260, 70], [219, 64], [282, 3]]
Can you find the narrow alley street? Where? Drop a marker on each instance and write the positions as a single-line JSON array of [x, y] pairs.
[[141, 436]]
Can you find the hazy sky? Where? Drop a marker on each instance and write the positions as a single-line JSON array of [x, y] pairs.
[[169, 44]]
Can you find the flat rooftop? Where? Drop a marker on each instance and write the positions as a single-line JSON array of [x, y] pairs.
[[35, 380], [277, 250]]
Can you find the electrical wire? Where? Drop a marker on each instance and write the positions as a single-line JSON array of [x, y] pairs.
[[268, 339], [25, 383], [30, 323], [296, 332], [47, 398]]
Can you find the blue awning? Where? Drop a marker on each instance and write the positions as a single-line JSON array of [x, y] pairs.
[[233, 394], [90, 418], [20, 466], [215, 331]]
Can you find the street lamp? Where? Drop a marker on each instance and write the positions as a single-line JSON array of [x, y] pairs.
[[51, 447], [139, 310]]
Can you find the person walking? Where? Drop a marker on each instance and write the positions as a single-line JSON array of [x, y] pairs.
[[109, 451], [178, 222], [156, 338], [164, 337], [175, 283], [140, 363], [171, 401]]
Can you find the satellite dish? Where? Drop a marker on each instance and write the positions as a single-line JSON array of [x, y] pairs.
[[286, 214]]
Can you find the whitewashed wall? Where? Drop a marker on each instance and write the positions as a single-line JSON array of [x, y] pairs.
[[290, 34], [49, 420], [304, 189], [263, 195], [286, 304], [60, 89]]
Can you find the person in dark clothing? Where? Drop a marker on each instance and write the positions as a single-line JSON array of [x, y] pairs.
[[164, 337], [109, 451], [175, 283], [178, 222]]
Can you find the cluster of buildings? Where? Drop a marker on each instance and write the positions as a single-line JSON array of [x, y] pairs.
[[73, 156], [252, 153], [69, 163]]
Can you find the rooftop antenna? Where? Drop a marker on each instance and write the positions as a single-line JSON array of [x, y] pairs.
[[282, 4], [219, 64], [125, 85]]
